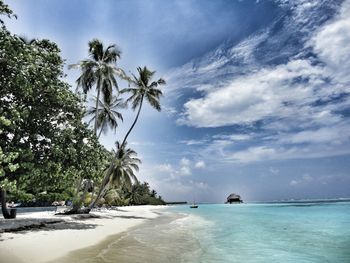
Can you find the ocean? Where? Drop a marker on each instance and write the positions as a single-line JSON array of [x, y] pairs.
[[271, 232]]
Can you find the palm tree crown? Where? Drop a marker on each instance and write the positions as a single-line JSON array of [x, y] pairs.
[[125, 166], [143, 87], [107, 114], [99, 70]]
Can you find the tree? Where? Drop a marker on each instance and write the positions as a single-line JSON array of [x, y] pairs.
[[122, 170], [5, 10], [6, 165], [45, 130], [100, 70], [143, 88], [107, 114]]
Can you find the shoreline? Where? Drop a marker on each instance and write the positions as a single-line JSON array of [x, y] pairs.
[[70, 233]]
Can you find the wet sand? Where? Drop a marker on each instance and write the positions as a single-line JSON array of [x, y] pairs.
[[160, 240], [55, 241]]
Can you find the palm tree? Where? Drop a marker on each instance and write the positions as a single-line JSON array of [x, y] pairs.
[[122, 170], [107, 114], [100, 70], [143, 88], [125, 166], [154, 193]]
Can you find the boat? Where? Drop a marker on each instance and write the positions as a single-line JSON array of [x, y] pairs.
[[194, 205]]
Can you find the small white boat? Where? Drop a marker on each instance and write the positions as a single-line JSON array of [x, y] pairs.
[[194, 205]]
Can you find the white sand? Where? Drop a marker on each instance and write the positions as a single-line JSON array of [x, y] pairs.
[[37, 246]]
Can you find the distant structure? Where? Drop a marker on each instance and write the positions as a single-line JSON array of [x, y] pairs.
[[233, 198]]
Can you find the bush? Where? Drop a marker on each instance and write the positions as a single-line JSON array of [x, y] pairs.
[[21, 197]]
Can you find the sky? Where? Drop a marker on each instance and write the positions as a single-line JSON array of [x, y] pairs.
[[257, 97]]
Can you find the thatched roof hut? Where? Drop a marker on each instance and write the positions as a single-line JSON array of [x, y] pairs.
[[233, 198]]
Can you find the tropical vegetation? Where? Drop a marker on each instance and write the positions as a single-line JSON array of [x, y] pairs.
[[47, 150]]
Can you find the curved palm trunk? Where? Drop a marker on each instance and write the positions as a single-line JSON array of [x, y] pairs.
[[97, 100], [133, 124], [99, 134], [109, 171], [103, 184]]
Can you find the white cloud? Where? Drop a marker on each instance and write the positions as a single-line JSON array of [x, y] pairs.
[[282, 152], [185, 171], [331, 43], [293, 182], [333, 135], [167, 168], [233, 137], [194, 142], [253, 154], [200, 165], [298, 104], [185, 162], [306, 178], [270, 92]]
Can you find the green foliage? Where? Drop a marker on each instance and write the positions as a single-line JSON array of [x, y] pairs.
[[50, 197], [144, 87], [21, 196], [44, 145], [7, 161], [99, 71], [138, 194], [107, 114], [5, 10]]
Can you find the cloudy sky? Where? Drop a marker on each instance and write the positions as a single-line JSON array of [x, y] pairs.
[[257, 100]]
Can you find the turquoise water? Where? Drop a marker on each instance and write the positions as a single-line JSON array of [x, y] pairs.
[[245, 233], [294, 232]]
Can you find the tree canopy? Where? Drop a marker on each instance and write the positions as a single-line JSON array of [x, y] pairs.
[[47, 151], [41, 125]]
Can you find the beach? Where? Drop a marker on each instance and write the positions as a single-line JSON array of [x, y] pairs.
[[70, 233], [256, 232]]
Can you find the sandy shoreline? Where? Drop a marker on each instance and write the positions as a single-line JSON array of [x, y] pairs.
[[58, 239]]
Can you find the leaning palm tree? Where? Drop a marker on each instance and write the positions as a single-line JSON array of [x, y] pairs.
[[107, 114], [122, 170], [99, 70], [143, 87]]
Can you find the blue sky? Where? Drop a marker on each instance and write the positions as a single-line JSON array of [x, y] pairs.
[[257, 100]]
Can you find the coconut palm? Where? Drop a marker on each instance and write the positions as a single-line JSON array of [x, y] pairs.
[[125, 166], [122, 170], [143, 87], [99, 70], [107, 114]]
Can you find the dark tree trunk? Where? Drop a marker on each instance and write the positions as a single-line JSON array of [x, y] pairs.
[[5, 212], [97, 100]]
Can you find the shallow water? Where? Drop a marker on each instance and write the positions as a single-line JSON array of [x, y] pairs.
[[160, 240], [294, 232]]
